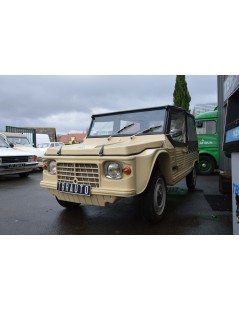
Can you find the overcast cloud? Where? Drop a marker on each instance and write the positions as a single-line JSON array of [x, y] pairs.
[[67, 102]]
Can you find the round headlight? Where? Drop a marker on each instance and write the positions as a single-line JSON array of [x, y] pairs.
[[51, 167], [113, 170]]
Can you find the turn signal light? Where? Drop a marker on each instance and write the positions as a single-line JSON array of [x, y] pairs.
[[44, 167], [127, 170]]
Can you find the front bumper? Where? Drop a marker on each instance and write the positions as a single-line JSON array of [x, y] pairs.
[[7, 169], [99, 196]]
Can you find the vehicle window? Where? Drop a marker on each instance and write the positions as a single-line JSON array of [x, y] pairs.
[[192, 136], [102, 128], [206, 127], [45, 145], [56, 144], [16, 140], [39, 145], [130, 123], [177, 127]]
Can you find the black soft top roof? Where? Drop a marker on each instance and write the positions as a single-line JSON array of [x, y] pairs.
[[167, 107]]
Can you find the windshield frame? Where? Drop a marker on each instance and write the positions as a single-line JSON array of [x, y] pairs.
[[117, 118], [3, 142]]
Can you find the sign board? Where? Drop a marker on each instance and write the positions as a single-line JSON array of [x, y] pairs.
[[232, 135], [231, 83]]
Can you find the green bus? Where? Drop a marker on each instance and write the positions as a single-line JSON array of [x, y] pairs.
[[208, 142]]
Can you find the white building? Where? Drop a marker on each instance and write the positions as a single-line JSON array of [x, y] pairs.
[[203, 107]]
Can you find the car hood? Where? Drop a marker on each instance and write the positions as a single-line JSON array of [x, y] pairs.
[[4, 151], [114, 146], [29, 148]]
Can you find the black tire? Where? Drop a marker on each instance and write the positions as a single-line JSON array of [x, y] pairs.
[[24, 174], [153, 199], [191, 180], [206, 165], [67, 204]]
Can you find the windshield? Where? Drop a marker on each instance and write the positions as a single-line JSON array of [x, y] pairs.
[[130, 123], [3, 143], [16, 140], [43, 145]]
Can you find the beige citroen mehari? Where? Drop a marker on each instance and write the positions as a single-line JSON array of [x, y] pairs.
[[125, 154]]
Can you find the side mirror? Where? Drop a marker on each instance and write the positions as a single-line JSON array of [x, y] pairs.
[[199, 124], [176, 133], [11, 144]]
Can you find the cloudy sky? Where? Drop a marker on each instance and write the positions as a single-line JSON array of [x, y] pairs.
[[67, 102]]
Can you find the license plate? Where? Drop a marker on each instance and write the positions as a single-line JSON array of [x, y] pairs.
[[72, 188], [16, 165]]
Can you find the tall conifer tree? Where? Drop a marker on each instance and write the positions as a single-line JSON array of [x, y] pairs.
[[181, 96]]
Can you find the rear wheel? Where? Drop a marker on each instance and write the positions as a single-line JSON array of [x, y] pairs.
[[206, 165], [24, 174], [153, 200], [191, 180], [67, 204]]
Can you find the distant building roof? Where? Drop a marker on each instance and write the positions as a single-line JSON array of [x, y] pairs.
[[78, 137], [203, 107]]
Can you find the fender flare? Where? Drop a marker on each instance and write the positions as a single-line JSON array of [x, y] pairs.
[[161, 161]]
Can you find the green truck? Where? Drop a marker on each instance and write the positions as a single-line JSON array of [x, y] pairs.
[[208, 142]]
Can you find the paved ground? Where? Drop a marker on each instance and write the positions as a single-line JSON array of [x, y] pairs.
[[27, 209]]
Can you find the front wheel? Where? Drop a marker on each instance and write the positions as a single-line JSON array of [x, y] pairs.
[[153, 200], [67, 204], [191, 180]]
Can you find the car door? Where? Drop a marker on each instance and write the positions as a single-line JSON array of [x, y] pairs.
[[192, 155], [178, 138]]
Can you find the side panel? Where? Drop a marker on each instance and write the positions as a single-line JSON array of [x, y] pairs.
[[235, 193], [208, 138]]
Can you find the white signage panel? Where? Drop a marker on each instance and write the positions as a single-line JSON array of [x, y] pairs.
[[235, 192]]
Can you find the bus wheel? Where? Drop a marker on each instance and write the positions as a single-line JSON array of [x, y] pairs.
[[206, 165]]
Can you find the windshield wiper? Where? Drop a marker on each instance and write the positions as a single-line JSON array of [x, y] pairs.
[[121, 130], [59, 151], [151, 129], [146, 130]]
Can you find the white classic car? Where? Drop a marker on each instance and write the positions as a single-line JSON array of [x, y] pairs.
[[20, 142], [44, 146], [15, 161]]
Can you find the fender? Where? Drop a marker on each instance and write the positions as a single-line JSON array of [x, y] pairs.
[[147, 162]]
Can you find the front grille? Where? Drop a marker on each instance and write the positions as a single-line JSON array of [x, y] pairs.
[[14, 159], [87, 174]]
